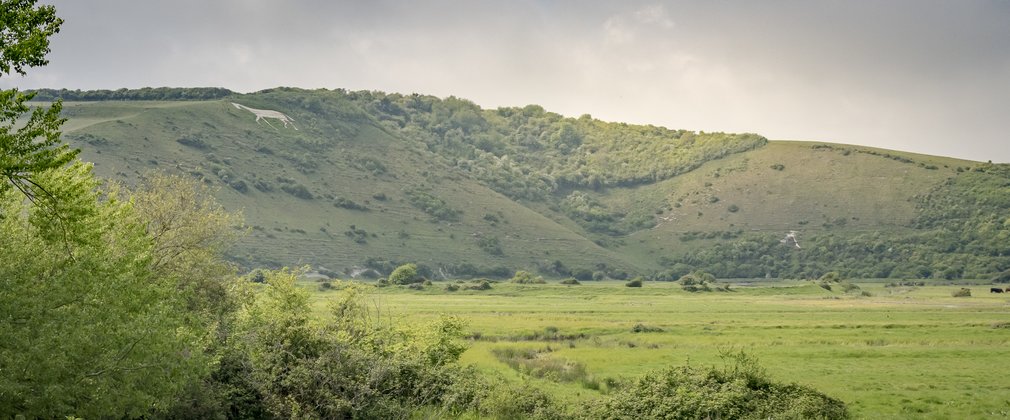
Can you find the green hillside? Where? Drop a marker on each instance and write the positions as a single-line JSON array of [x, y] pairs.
[[370, 179]]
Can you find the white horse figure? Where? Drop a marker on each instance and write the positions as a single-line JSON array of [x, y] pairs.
[[791, 239], [263, 114]]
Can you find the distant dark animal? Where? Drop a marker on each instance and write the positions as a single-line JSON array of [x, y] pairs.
[[995, 290]]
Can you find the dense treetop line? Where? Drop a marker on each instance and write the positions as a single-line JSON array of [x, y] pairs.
[[142, 94]]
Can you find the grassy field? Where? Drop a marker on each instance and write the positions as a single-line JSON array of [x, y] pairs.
[[904, 352]]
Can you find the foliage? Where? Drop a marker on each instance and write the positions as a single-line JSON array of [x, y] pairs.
[[405, 274], [571, 281], [480, 284], [24, 31], [433, 206], [28, 147], [642, 328], [87, 308], [636, 282], [525, 277], [491, 245], [142, 94], [191, 233], [962, 292], [538, 363], [741, 390]]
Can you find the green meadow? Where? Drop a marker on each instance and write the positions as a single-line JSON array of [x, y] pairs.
[[904, 352]]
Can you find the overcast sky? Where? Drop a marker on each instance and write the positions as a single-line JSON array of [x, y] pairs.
[[918, 75]]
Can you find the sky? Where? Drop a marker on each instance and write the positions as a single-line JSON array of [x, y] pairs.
[[926, 76]]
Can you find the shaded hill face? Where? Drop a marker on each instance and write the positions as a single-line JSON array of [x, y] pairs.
[[371, 180]]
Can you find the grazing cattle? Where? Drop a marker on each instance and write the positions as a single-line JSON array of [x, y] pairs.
[[995, 290]]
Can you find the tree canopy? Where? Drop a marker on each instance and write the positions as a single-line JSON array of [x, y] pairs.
[[30, 147]]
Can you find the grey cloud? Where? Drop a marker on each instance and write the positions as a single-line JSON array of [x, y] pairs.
[[928, 76]]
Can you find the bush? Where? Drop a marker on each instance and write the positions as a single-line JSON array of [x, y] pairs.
[[297, 190], [740, 390], [964, 292], [570, 282], [582, 274], [480, 285], [642, 328], [491, 245], [405, 274], [831, 276], [451, 288], [636, 282], [849, 288], [525, 277]]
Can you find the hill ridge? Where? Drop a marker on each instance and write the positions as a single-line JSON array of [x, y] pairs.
[[415, 174]]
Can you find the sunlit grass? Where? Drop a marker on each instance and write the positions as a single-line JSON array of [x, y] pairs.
[[904, 352]]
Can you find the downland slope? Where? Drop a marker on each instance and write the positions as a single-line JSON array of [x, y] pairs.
[[369, 180]]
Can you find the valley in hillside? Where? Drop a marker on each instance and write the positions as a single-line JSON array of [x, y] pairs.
[[365, 181]]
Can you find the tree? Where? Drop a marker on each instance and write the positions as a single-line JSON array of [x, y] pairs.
[[405, 274], [88, 328], [190, 233], [28, 148]]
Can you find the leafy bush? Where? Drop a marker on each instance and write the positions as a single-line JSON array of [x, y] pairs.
[[636, 282], [739, 391], [491, 245], [297, 190], [570, 282], [405, 274], [433, 206], [525, 277], [480, 285], [642, 328], [963, 292], [349, 204]]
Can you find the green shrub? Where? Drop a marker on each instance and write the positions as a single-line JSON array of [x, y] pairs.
[[491, 245], [480, 285], [642, 328], [636, 282], [963, 292], [740, 391], [297, 190], [405, 274], [570, 281], [850, 288], [525, 277]]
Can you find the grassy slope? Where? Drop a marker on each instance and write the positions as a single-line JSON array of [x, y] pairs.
[[135, 137], [817, 186]]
